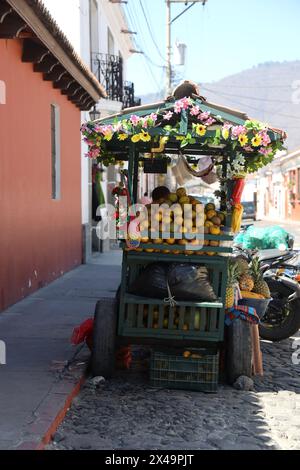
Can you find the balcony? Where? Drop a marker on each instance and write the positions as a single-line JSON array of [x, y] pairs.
[[109, 72]]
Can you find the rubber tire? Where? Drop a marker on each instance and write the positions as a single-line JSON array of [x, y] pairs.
[[292, 323], [104, 339], [238, 350]]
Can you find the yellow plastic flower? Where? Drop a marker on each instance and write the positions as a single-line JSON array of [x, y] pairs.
[[145, 136], [136, 138], [256, 141], [200, 129], [122, 136], [225, 133], [243, 139], [108, 136]]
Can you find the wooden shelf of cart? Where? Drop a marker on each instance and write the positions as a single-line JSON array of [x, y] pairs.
[[181, 324]]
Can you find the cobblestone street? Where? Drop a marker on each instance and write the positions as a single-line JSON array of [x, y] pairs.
[[126, 413]]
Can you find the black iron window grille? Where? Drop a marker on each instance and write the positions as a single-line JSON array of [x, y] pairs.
[[109, 72]]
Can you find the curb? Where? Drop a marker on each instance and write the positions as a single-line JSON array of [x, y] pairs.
[[60, 415], [51, 414]]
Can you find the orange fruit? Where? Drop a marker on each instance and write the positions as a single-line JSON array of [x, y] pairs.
[[208, 223], [210, 214], [214, 230], [210, 206]]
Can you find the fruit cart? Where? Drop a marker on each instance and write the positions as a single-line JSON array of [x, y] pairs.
[[156, 135]]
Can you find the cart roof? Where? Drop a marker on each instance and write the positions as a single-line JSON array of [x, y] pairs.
[[232, 115], [189, 125]]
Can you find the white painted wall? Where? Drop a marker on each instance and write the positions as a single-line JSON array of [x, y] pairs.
[[73, 18]]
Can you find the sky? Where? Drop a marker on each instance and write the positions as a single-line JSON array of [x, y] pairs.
[[223, 38]]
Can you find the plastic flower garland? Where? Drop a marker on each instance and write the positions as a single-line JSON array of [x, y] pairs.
[[251, 139]]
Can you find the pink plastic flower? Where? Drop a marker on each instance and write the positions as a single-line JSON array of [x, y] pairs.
[[106, 130], [248, 148], [186, 102], [177, 107], [204, 116], [93, 153], [210, 121], [236, 131], [195, 110], [144, 122], [265, 138], [153, 116], [265, 151], [168, 115], [134, 119]]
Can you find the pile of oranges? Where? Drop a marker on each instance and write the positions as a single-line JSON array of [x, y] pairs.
[[180, 219]]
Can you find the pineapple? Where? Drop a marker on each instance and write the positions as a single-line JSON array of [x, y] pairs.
[[246, 282], [232, 279], [242, 264], [260, 285]]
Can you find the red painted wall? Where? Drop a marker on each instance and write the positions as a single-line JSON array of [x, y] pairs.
[[40, 238]]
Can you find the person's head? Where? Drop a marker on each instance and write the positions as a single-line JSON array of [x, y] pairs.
[[161, 192], [146, 194]]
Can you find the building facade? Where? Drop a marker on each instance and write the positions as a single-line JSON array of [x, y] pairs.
[[45, 87], [98, 30], [279, 188]]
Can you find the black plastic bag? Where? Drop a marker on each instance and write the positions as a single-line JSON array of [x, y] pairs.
[[152, 282], [186, 282], [190, 282]]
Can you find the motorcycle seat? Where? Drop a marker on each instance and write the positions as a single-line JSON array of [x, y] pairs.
[[271, 254]]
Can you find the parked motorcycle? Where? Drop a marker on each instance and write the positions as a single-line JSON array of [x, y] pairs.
[[282, 273]]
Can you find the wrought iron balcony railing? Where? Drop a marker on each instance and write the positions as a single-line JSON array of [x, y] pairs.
[[109, 72]]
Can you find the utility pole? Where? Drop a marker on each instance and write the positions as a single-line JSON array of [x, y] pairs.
[[169, 37], [169, 65]]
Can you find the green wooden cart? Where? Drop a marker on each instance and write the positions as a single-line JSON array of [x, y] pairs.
[[192, 127]]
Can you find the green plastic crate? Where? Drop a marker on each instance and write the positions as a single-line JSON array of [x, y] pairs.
[[174, 371]]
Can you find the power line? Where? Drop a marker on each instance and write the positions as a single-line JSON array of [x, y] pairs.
[[150, 31], [254, 87], [246, 97], [134, 23], [254, 108]]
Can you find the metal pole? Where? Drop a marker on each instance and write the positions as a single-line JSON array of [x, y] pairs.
[[169, 66]]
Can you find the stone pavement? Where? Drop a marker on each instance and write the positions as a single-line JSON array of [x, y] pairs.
[[37, 378], [127, 413]]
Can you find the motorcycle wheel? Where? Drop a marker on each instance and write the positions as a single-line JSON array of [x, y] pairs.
[[282, 318]]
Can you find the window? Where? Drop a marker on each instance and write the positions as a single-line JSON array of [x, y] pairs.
[[94, 26], [55, 151], [110, 42], [2, 92]]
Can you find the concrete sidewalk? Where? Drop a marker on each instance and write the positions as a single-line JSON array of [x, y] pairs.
[[35, 384]]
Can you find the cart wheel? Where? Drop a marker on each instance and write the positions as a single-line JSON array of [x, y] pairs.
[[239, 350], [104, 338]]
